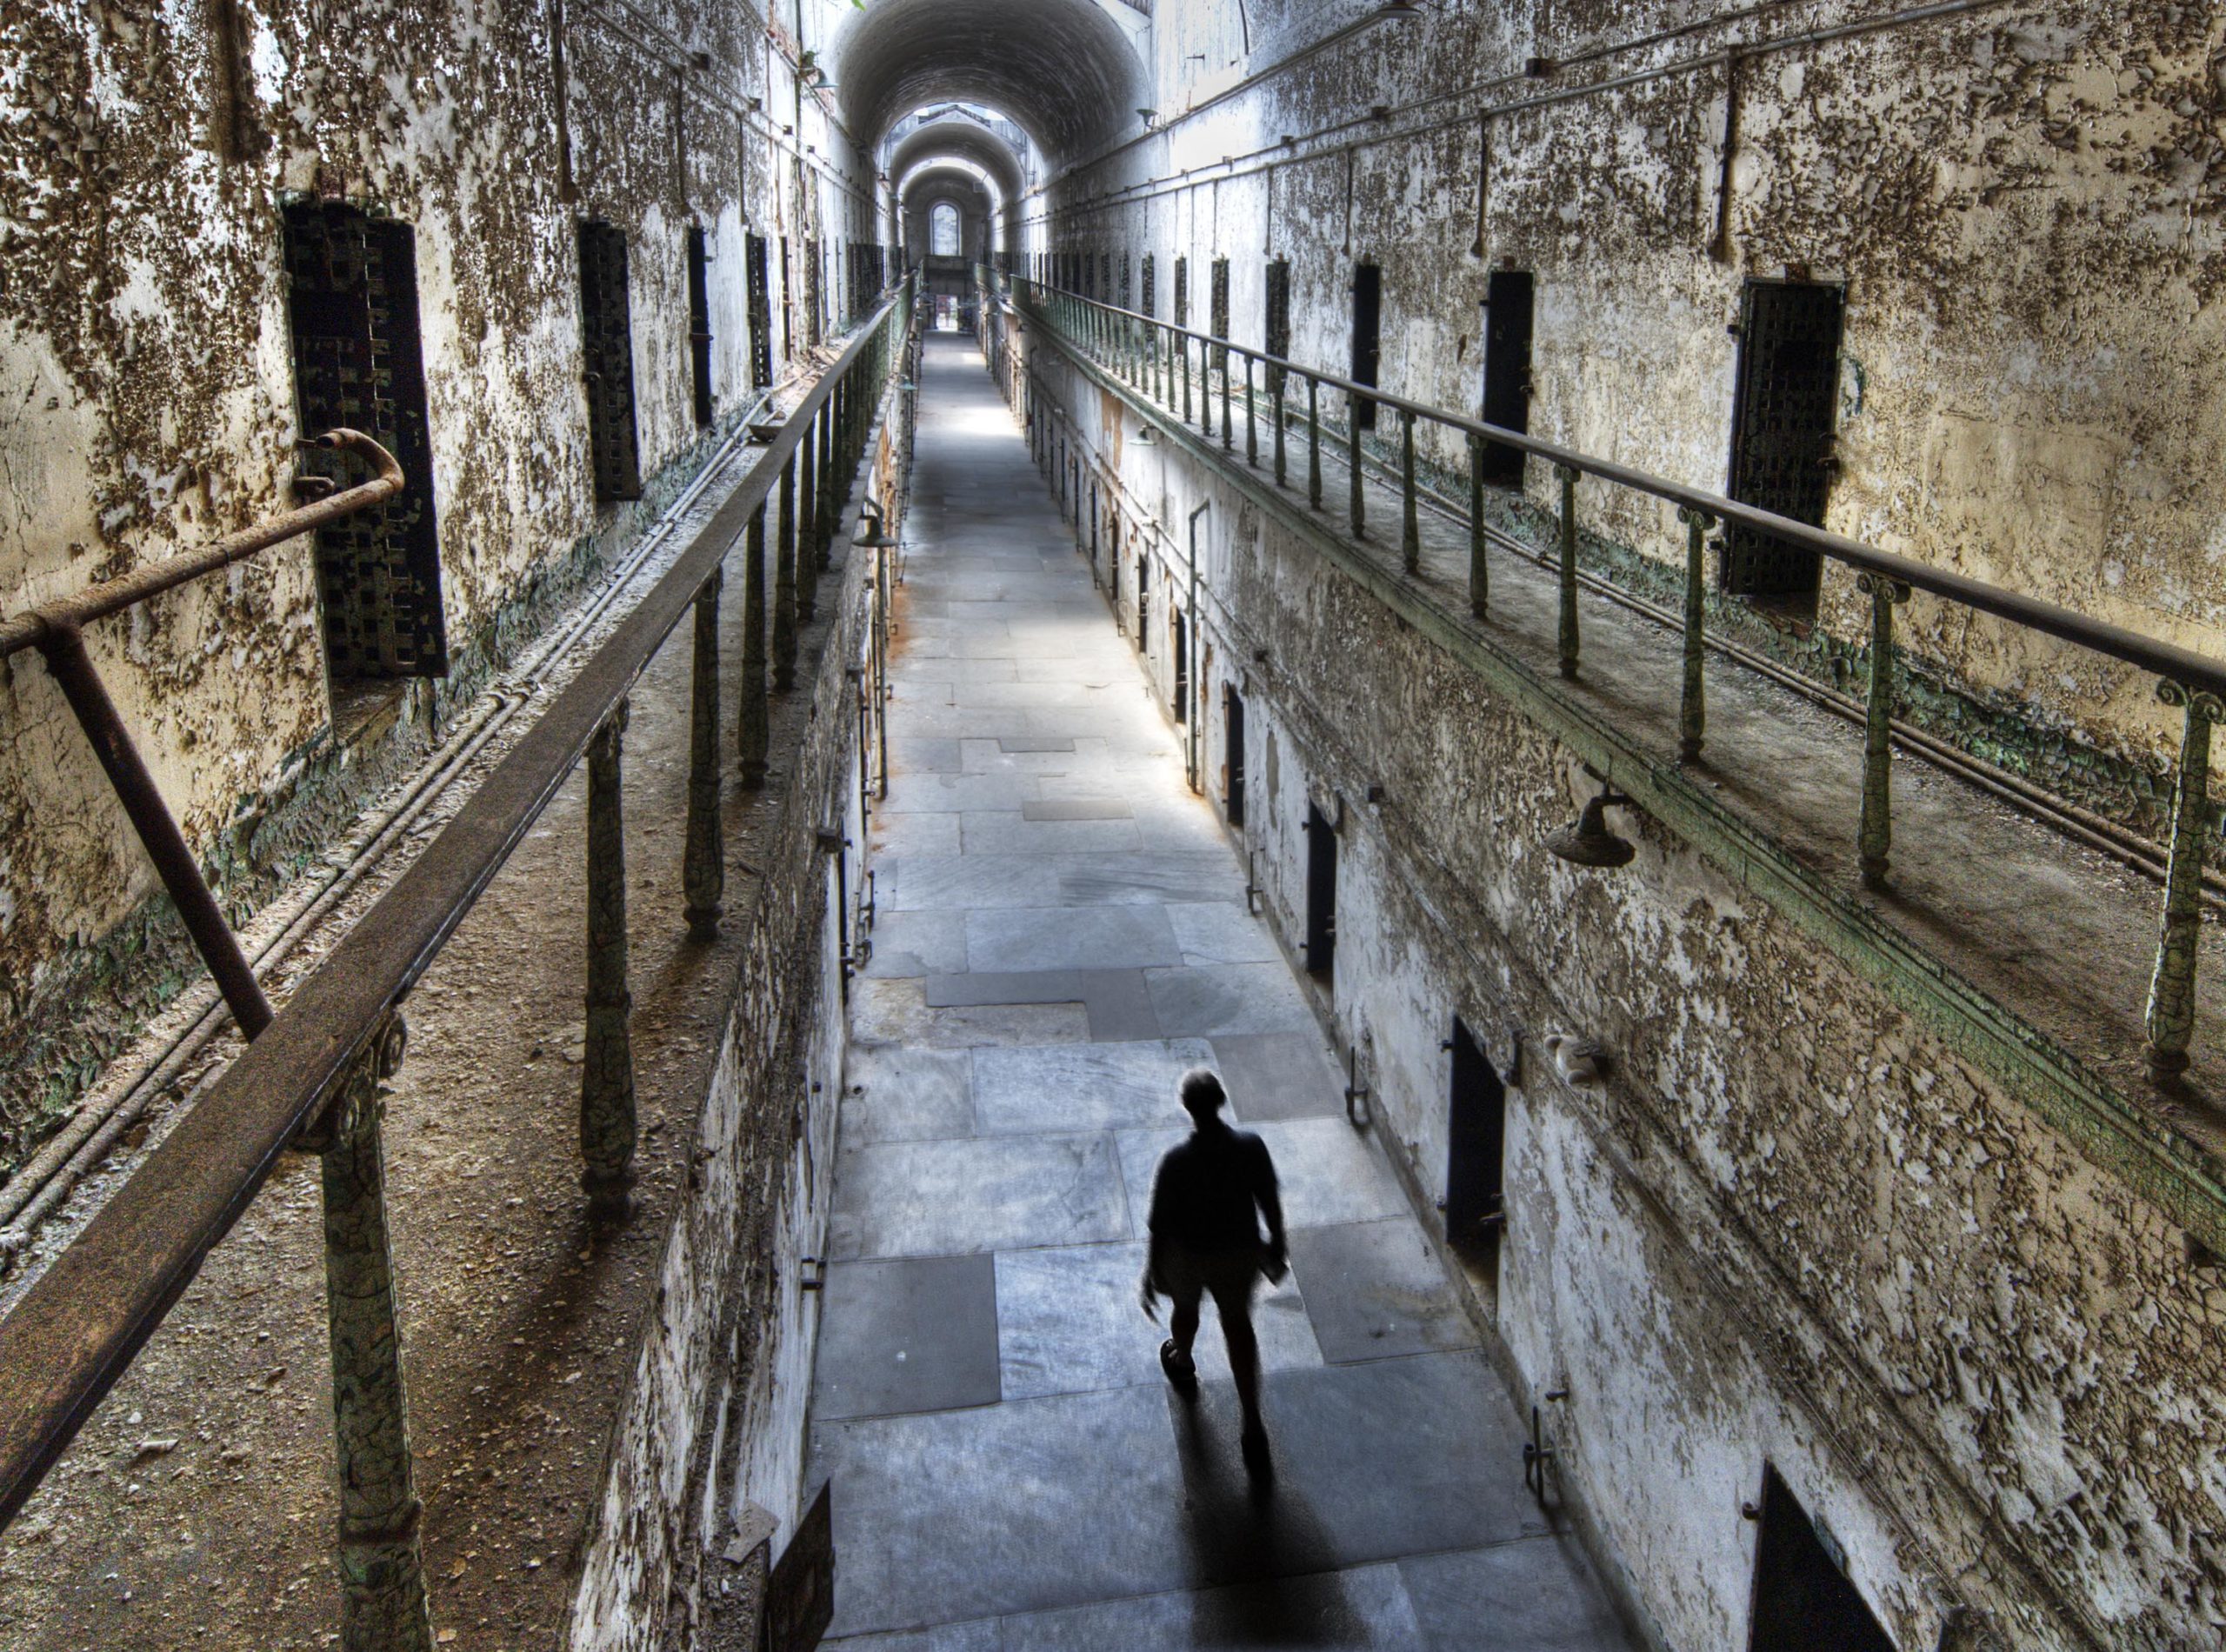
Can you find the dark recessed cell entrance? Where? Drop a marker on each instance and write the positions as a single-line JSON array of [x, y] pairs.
[[1507, 370], [1475, 1159], [1803, 1602], [607, 344], [699, 321], [1321, 892], [1182, 664], [1233, 749], [1219, 312], [1781, 431], [352, 301], [1367, 335]]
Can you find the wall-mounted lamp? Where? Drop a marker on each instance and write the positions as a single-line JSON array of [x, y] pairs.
[[874, 535], [1144, 436], [1588, 841], [1150, 116], [1394, 10]]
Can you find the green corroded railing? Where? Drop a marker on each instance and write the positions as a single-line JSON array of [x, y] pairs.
[[1211, 383]]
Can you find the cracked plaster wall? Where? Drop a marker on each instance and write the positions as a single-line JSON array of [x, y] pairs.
[[147, 402], [2023, 202]]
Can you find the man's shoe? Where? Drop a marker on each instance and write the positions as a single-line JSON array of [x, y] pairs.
[[1180, 1369], [1257, 1463]]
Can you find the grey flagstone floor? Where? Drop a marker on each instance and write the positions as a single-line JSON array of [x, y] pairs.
[[1063, 931]]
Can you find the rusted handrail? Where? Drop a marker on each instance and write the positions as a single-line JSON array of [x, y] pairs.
[[78, 1326], [56, 629], [34, 626]]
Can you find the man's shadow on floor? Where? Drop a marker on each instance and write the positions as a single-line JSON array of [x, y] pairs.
[[1263, 1567]]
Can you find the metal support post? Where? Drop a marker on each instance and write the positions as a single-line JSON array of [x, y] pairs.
[[1480, 579], [2171, 1017], [607, 1075], [784, 585], [382, 1569], [1567, 476], [703, 872], [1876, 835], [1410, 531], [1353, 465], [1314, 443], [753, 722], [1692, 708]]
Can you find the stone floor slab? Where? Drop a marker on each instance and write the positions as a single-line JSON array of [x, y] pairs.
[[957, 1197], [1279, 1074], [918, 944], [906, 1093], [916, 1334], [1221, 932], [1228, 998], [1056, 937], [1375, 1289], [1332, 1612], [1534, 1596], [1068, 1321], [1084, 1087]]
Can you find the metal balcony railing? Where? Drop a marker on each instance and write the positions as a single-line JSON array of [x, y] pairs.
[[311, 1078], [1198, 377]]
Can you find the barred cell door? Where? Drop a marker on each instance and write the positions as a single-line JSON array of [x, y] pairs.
[[1220, 312], [359, 363], [1781, 430], [607, 348], [758, 257]]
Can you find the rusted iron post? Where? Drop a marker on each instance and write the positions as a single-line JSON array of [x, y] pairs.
[[382, 1570], [1314, 443], [1480, 578], [1567, 474], [1184, 345], [64, 647], [753, 723], [1251, 417], [785, 586], [1692, 708], [1227, 396], [806, 528], [1410, 531], [607, 1070], [1206, 389], [703, 872], [1359, 503], [1275, 388], [829, 509], [2170, 1020], [1876, 835]]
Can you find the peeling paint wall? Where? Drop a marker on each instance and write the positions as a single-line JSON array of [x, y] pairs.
[[147, 399]]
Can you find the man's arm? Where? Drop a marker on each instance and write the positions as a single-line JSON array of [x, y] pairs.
[[1269, 1198]]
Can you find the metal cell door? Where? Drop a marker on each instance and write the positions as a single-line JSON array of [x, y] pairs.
[[757, 256], [607, 342], [699, 321], [1781, 429], [358, 362]]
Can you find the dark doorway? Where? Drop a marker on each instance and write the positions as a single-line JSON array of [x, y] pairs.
[[1368, 336], [1278, 319], [1219, 312], [758, 257], [1803, 1602], [1143, 607], [607, 350], [1475, 1159], [1321, 892], [1781, 431], [1182, 292], [359, 363], [788, 307], [1507, 370], [699, 321], [1232, 705], [1182, 664]]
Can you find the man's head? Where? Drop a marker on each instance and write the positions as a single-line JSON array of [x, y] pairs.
[[1202, 1094]]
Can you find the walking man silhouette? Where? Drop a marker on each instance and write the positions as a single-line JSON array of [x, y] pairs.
[[1207, 1199]]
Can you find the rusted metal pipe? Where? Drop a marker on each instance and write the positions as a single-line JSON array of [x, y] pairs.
[[63, 645], [31, 628]]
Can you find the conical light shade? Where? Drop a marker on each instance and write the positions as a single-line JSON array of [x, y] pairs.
[[1588, 843]]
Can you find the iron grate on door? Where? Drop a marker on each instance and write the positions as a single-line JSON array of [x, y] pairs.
[[607, 338], [358, 362], [1781, 421], [1219, 326], [757, 255]]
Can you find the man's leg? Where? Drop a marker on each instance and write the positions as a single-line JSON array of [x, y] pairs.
[[1183, 1320], [1233, 1302]]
